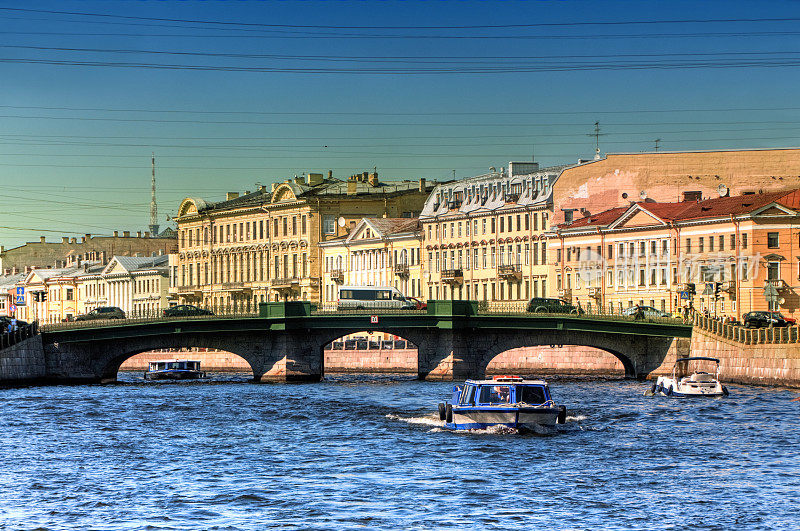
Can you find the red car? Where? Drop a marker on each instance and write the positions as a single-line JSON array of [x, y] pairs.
[[418, 303]]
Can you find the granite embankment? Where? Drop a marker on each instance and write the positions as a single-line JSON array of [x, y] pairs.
[[23, 362]]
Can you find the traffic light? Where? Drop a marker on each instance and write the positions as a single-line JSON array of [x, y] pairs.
[[691, 289], [717, 289]]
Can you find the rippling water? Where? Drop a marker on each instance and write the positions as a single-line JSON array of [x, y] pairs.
[[368, 452]]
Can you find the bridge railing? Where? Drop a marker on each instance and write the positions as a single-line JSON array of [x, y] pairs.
[[10, 337], [747, 336], [436, 308]]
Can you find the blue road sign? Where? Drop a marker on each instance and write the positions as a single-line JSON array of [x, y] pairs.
[[19, 298], [685, 295]]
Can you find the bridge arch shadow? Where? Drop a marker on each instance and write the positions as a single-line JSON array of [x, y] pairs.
[[561, 360]]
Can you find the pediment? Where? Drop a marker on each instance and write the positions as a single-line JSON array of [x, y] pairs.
[[636, 216], [773, 209], [283, 194]]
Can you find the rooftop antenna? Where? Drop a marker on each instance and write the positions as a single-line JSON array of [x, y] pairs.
[[597, 134], [153, 207], [657, 140], [533, 152]]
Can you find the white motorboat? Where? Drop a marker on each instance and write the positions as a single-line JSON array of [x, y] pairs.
[[691, 377]]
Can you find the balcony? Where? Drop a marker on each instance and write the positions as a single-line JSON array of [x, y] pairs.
[[453, 276], [190, 289], [289, 283], [401, 270], [234, 286], [778, 284], [337, 275], [510, 272]]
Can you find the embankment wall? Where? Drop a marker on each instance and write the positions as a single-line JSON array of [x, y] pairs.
[[23, 361], [757, 363]]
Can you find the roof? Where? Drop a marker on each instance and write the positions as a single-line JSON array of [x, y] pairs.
[[133, 263], [327, 188], [388, 226], [7, 281], [693, 210]]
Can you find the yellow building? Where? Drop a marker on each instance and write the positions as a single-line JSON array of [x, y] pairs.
[[723, 256], [483, 236], [263, 246], [377, 252], [138, 285], [50, 295]]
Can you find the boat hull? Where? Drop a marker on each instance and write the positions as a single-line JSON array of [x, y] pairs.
[[174, 375], [523, 419]]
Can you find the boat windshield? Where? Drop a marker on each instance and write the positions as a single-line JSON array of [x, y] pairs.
[[688, 366], [531, 394], [495, 394]]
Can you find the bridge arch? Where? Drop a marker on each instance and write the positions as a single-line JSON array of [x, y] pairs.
[[361, 350], [108, 365]]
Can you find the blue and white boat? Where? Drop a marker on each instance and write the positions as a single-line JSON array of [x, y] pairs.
[[174, 370], [693, 377], [506, 401]]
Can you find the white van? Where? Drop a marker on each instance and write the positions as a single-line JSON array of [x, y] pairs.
[[372, 297]]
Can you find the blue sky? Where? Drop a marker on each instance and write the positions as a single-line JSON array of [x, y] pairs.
[[233, 94]]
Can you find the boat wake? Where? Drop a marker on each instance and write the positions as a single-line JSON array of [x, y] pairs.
[[423, 421]]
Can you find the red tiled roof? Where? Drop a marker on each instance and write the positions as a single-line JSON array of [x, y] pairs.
[[709, 208]]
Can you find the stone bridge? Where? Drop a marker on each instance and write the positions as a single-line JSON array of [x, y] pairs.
[[285, 343]]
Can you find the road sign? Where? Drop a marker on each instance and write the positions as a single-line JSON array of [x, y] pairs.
[[685, 295], [12, 308], [373, 319], [19, 298]]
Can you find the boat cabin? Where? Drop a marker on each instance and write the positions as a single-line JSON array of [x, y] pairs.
[[174, 365], [502, 390]]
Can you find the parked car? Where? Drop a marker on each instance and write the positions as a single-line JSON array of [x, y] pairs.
[[763, 319], [649, 312], [543, 305], [185, 310], [418, 303], [103, 312]]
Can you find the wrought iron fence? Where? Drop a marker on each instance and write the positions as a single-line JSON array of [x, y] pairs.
[[10, 337], [747, 336]]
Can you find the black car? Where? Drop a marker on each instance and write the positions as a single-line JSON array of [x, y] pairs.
[[543, 305], [764, 319], [103, 312], [185, 310], [5, 323]]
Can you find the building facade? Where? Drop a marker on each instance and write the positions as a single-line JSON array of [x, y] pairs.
[[377, 252], [264, 246], [484, 236], [43, 254], [137, 285], [725, 256]]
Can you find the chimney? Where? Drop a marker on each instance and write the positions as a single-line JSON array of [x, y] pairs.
[[373, 179], [116, 234], [694, 195], [41, 239], [352, 186], [74, 240], [87, 237], [103, 257], [14, 270], [365, 177], [314, 179], [330, 174], [422, 184], [146, 234], [85, 266], [231, 195], [64, 239], [27, 269], [126, 234], [138, 234]]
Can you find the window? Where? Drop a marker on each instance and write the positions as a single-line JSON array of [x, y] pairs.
[[304, 224], [744, 241], [328, 224], [711, 244], [502, 219], [733, 242], [610, 251], [688, 245], [772, 240], [722, 243], [701, 244]]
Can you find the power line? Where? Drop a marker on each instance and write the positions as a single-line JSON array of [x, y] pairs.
[[484, 26]]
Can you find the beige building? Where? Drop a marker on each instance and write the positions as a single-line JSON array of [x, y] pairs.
[[263, 246], [723, 255], [377, 252], [137, 285], [483, 236]]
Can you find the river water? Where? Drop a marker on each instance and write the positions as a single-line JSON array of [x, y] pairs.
[[357, 452]]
